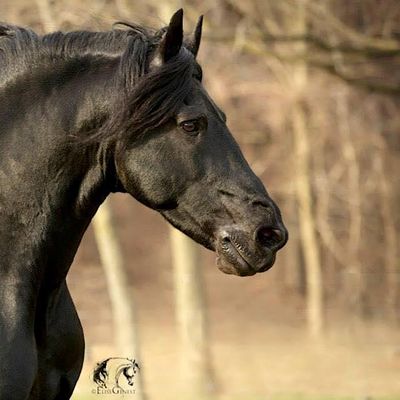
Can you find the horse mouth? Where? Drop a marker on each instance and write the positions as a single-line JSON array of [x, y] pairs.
[[232, 258]]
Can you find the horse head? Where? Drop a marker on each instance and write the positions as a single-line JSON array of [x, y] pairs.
[[185, 163], [130, 371]]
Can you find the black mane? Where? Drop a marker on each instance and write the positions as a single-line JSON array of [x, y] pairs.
[[145, 98]]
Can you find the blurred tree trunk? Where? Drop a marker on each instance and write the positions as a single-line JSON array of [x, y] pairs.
[[191, 316], [309, 240], [47, 17], [392, 261], [355, 285], [293, 270], [123, 9], [122, 303]]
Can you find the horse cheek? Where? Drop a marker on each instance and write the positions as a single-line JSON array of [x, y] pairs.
[[155, 186]]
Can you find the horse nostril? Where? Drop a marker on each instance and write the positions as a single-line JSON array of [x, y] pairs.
[[270, 237]]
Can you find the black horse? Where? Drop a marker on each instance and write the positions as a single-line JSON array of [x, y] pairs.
[[84, 114]]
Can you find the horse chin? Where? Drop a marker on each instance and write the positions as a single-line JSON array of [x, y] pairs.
[[231, 269], [231, 261], [238, 268]]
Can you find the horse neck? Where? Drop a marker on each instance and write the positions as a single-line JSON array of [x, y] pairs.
[[50, 186]]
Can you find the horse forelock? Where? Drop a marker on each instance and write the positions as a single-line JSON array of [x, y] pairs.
[[153, 99], [151, 94]]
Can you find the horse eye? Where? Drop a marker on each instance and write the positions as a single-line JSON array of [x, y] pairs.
[[190, 126]]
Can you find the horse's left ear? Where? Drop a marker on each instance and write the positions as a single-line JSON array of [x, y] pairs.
[[172, 41], [196, 37]]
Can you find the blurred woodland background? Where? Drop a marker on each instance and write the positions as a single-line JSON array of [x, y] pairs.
[[311, 89]]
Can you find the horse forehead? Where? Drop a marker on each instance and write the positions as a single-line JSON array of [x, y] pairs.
[[201, 99]]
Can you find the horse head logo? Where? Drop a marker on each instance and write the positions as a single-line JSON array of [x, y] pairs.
[[115, 373], [128, 370]]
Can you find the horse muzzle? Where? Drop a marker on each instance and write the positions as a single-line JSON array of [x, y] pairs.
[[244, 253]]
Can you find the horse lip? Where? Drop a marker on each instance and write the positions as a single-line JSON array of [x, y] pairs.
[[240, 266], [240, 253], [231, 250]]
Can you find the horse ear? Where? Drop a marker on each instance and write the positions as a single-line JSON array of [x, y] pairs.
[[196, 37], [173, 38]]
